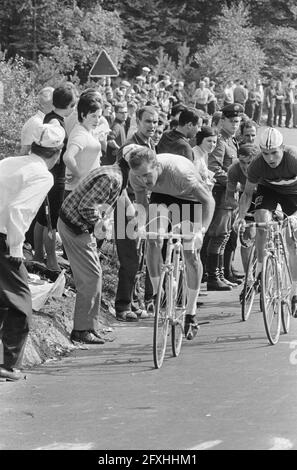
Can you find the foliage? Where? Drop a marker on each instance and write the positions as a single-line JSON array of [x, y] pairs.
[[19, 102], [232, 51], [70, 37]]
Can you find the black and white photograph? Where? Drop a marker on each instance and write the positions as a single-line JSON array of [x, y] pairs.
[[148, 230]]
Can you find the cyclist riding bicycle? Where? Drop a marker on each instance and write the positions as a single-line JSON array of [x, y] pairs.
[[274, 172], [171, 181], [236, 180]]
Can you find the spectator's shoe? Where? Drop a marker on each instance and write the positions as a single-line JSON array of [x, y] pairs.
[[11, 375], [191, 326], [150, 307], [85, 336], [237, 274], [236, 281], [141, 313], [294, 306], [126, 316], [214, 283]]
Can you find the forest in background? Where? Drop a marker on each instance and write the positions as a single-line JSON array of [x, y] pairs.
[[44, 42]]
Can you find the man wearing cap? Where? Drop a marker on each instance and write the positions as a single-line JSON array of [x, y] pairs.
[[274, 172], [24, 183], [219, 161]]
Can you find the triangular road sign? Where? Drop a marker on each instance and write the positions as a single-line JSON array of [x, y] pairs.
[[103, 66]]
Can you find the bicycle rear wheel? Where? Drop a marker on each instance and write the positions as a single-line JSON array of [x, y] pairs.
[[249, 290], [270, 298], [162, 316], [178, 312], [286, 288]]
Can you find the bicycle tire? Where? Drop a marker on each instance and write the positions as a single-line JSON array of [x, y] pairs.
[[178, 309], [161, 320], [249, 290], [286, 288], [270, 298]]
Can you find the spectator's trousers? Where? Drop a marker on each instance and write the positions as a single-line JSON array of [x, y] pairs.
[[15, 308], [81, 250]]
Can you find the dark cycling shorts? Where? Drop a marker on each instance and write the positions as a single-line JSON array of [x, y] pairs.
[[267, 198], [186, 210]]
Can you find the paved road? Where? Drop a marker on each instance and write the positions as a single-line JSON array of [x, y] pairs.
[[228, 390]]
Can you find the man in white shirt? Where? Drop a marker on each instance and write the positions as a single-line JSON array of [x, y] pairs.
[[24, 183], [45, 105], [202, 96]]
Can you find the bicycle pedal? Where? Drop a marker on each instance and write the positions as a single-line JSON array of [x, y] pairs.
[[193, 330]]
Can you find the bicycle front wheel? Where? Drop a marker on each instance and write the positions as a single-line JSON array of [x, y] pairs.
[[249, 290], [179, 307], [271, 304], [162, 317]]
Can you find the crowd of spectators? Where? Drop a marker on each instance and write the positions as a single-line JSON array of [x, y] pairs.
[[206, 126]]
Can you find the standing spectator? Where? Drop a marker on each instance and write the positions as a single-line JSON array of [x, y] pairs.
[[144, 73], [131, 121], [45, 105], [64, 100], [177, 140], [279, 101], [270, 102], [126, 307], [212, 101], [24, 183], [118, 133], [240, 93], [178, 92], [206, 141], [82, 213], [295, 107], [219, 161], [250, 105], [216, 120], [248, 132], [289, 103], [158, 134], [108, 112], [109, 95], [202, 96], [228, 96], [83, 150], [259, 92]]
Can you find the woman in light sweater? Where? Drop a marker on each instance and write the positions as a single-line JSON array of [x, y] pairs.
[[83, 148], [206, 140]]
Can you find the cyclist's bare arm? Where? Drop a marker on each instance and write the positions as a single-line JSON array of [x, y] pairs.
[[204, 196], [246, 199], [231, 199]]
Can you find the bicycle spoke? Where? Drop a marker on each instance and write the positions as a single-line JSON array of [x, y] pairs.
[[161, 320], [270, 299]]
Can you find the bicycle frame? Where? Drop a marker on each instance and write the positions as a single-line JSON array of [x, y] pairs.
[[276, 279]]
